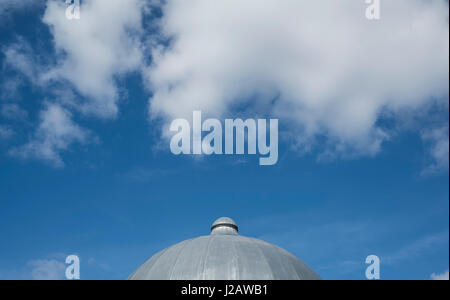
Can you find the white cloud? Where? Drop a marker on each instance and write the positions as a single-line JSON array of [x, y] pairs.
[[443, 276], [95, 50], [91, 55], [320, 66], [55, 133], [47, 269], [19, 56]]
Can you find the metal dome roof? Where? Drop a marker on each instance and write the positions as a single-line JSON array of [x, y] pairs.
[[224, 255]]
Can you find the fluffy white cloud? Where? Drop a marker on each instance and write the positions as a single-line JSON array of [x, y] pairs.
[[97, 49], [47, 269], [56, 132], [443, 276], [320, 66], [92, 54]]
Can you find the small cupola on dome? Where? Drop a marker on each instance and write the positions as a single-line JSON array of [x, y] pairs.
[[224, 226]]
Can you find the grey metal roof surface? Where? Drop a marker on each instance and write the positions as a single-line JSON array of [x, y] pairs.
[[224, 255]]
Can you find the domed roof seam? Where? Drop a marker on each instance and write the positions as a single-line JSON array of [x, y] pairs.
[[237, 258], [178, 256], [285, 252], [265, 259], [149, 270], [206, 255]]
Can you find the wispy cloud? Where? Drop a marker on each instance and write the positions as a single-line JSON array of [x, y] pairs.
[[21, 65], [416, 248], [12, 111], [5, 132], [102, 266], [56, 132], [350, 241], [46, 269], [438, 145], [443, 276]]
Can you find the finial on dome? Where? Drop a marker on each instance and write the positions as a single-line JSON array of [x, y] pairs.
[[224, 226]]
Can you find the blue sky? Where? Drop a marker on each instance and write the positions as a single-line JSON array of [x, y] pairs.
[[85, 165]]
